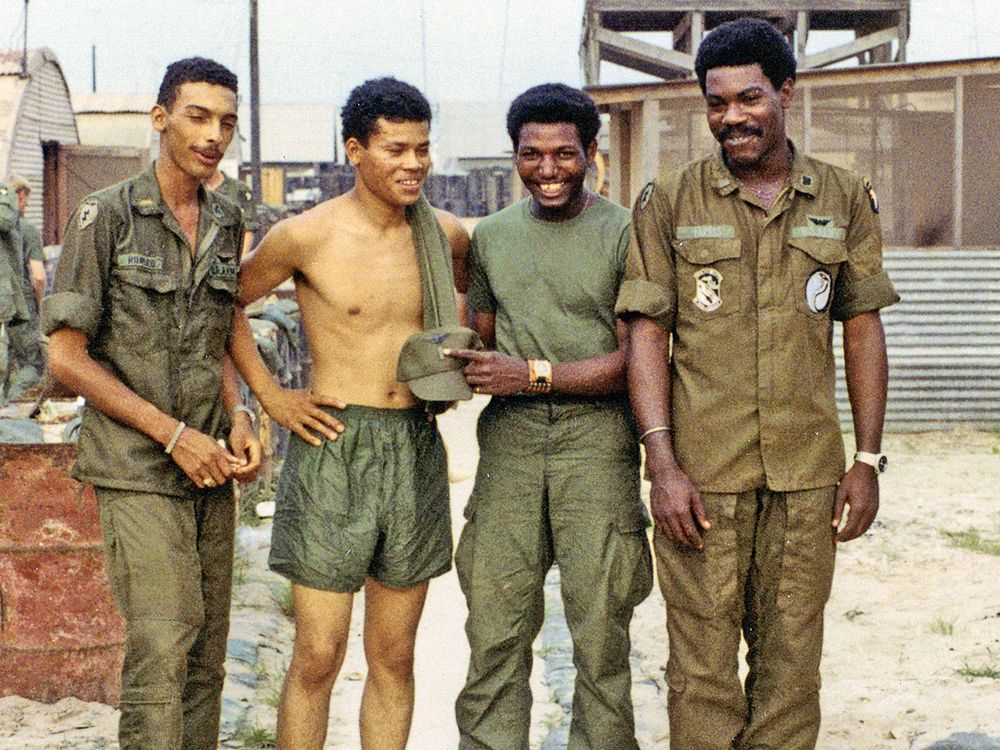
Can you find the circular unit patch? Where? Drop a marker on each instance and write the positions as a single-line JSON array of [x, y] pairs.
[[818, 289]]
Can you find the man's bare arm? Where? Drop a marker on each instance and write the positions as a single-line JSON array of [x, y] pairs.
[[675, 502], [502, 375], [38, 279], [197, 454], [275, 259], [242, 440], [867, 372], [297, 410]]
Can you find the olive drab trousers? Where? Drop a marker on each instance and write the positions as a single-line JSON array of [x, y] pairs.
[[170, 564], [557, 482], [765, 572]]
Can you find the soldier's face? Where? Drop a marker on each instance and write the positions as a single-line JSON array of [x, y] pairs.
[[395, 162], [552, 163], [746, 114], [197, 129]]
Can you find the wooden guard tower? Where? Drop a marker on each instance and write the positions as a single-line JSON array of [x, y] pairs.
[[876, 24]]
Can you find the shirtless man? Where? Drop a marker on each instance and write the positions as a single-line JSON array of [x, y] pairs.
[[368, 505]]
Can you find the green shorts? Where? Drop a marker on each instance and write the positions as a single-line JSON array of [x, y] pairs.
[[373, 503]]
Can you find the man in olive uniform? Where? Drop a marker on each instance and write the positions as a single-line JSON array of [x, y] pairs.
[[239, 193], [558, 476], [139, 318], [25, 345], [744, 259], [13, 306]]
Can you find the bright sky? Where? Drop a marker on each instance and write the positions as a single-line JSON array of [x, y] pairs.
[[316, 50]]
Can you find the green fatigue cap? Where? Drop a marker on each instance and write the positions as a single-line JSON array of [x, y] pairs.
[[431, 375]]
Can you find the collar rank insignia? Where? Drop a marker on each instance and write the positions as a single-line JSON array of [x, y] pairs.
[[708, 289], [872, 198], [645, 195]]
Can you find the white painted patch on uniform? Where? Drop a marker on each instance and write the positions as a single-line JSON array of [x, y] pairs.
[[88, 212], [708, 294], [818, 289], [647, 193]]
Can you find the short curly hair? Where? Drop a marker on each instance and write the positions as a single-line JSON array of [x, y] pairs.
[[396, 101], [193, 70], [554, 102], [746, 41]]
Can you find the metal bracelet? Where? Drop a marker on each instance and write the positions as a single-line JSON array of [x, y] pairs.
[[174, 438], [246, 410], [651, 430]]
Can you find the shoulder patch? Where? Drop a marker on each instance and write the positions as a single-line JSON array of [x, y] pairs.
[[644, 196], [87, 214], [872, 198], [3, 190]]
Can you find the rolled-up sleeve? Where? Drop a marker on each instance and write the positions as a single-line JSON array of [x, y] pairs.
[[82, 276], [862, 285], [649, 287]]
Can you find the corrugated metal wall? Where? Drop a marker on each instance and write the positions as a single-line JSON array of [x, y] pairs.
[[943, 339], [45, 114]]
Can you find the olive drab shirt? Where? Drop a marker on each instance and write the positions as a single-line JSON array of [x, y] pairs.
[[13, 305], [750, 299], [155, 317], [238, 192]]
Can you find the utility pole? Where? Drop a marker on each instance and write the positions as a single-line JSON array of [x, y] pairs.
[[24, 56], [254, 108], [93, 67]]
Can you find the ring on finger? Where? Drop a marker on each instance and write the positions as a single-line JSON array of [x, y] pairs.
[[209, 482]]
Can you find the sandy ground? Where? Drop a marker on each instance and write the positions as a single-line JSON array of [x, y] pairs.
[[912, 619]]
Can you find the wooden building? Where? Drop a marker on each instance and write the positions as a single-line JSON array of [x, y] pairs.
[[35, 119], [924, 134], [880, 28]]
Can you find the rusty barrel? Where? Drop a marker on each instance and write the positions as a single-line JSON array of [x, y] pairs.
[[60, 633]]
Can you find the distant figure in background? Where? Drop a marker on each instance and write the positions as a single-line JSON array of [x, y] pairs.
[[25, 339], [239, 193], [13, 305], [138, 320]]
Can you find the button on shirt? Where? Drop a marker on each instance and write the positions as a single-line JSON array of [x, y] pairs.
[[156, 317], [749, 297]]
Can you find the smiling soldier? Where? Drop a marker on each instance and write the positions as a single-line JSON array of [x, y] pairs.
[[738, 266], [139, 316], [558, 471], [366, 507]]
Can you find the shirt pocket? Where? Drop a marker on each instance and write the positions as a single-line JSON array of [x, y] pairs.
[[219, 293], [141, 303], [709, 277], [815, 265]]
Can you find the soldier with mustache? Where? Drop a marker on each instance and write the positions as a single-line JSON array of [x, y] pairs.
[[140, 312], [739, 264]]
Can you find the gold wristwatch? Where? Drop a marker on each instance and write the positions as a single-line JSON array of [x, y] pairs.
[[539, 376]]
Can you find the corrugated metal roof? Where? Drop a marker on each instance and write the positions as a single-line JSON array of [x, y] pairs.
[[943, 340]]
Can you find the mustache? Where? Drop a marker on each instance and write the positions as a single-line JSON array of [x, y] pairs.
[[731, 130]]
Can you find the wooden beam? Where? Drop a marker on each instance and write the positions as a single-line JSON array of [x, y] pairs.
[[645, 145], [649, 58], [781, 6], [619, 156], [956, 222], [802, 34], [851, 49]]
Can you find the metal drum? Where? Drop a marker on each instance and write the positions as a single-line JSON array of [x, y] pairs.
[[60, 633]]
